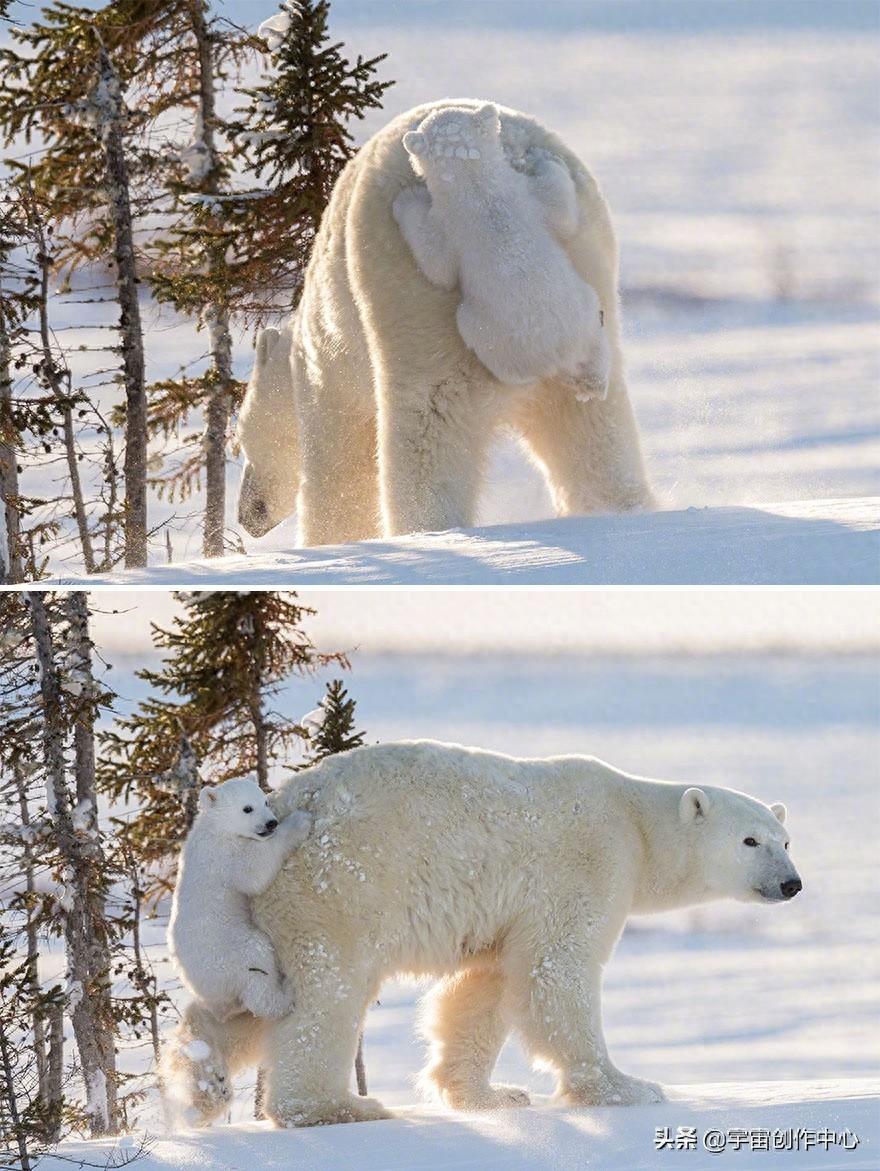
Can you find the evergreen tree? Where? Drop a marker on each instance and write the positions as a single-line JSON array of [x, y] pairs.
[[331, 727], [209, 717], [294, 135]]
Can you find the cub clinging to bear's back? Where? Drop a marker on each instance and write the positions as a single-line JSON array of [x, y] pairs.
[[498, 233], [235, 848]]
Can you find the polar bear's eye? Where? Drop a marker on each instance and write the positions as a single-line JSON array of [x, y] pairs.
[[749, 842], [248, 809]]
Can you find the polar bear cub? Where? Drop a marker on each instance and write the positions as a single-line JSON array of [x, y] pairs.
[[496, 232], [235, 848]]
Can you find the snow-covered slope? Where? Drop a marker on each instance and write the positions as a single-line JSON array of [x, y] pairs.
[[546, 1138], [820, 542]]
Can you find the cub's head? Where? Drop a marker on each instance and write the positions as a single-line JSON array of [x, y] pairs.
[[739, 846], [239, 808], [268, 434], [454, 137]]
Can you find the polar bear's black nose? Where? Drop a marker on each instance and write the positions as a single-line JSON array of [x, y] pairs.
[[272, 822], [791, 887]]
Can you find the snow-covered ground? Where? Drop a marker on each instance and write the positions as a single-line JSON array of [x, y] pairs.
[[810, 542], [753, 1016], [738, 146], [546, 1138]]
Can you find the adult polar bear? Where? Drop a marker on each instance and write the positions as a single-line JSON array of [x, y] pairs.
[[391, 416], [509, 879]]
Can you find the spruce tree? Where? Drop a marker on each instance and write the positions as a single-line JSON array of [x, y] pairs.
[[294, 135], [209, 717]]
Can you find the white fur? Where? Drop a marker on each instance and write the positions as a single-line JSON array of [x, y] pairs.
[[511, 880], [232, 853], [380, 419], [495, 233]]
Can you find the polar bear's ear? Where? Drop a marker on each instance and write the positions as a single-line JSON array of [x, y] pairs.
[[266, 340], [415, 143], [778, 810], [207, 798], [693, 804], [486, 116]]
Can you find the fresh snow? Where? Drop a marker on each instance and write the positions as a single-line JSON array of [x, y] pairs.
[[543, 1137], [820, 542]]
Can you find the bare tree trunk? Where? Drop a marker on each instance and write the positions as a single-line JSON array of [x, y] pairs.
[[55, 1073], [11, 569], [117, 184], [85, 924], [143, 981], [55, 377], [33, 951], [215, 317], [11, 1103]]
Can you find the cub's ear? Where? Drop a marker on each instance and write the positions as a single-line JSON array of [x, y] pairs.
[[487, 116], [778, 810], [207, 798], [693, 804], [266, 340], [415, 143]]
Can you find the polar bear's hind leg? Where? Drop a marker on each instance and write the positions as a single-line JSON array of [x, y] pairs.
[[465, 1022]]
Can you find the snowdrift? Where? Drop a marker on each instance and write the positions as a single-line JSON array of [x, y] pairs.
[[547, 1138], [814, 542]]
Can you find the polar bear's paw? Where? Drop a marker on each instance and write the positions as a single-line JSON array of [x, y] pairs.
[[613, 1088], [497, 1097], [329, 1113]]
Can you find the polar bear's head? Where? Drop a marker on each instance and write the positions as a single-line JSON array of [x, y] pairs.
[[238, 808], [739, 846], [452, 138], [269, 436]]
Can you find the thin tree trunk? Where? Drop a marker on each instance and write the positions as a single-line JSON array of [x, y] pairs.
[[215, 317], [85, 924], [11, 1102], [55, 1073], [142, 980], [117, 185], [11, 569], [55, 379], [33, 951]]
